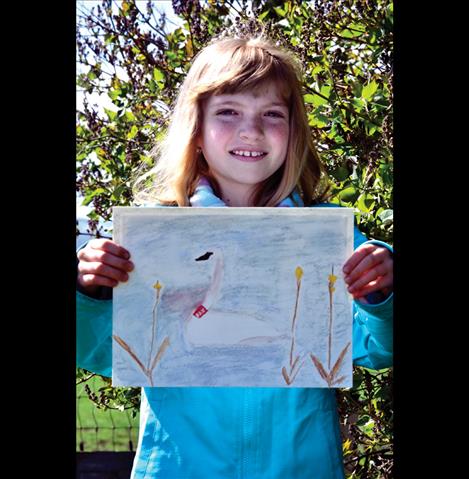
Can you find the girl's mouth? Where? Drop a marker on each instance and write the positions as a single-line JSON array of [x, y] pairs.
[[248, 156]]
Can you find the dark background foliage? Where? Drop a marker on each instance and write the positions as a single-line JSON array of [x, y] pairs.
[[125, 51]]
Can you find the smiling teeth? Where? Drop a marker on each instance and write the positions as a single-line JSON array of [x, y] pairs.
[[248, 153]]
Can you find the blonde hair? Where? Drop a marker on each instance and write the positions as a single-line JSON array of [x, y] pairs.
[[232, 65]]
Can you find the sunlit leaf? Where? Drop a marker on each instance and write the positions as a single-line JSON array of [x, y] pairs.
[[130, 116], [369, 90], [111, 114], [132, 133]]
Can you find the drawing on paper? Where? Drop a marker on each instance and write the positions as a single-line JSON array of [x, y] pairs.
[[244, 301], [222, 327], [151, 365], [296, 364], [330, 375]]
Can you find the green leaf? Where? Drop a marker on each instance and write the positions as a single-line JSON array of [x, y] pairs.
[[280, 11], [111, 114], [358, 104], [365, 202], [318, 120], [130, 116], [146, 159], [100, 152], [316, 100], [109, 38], [369, 90], [326, 90], [348, 195], [386, 217], [114, 94], [132, 133], [347, 33], [117, 193], [89, 197], [340, 173], [317, 69], [158, 74]]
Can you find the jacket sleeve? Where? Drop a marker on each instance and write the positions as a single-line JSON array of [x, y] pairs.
[[372, 324], [94, 330]]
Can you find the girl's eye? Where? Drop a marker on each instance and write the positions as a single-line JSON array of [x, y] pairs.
[[271, 114], [275, 114], [226, 112]]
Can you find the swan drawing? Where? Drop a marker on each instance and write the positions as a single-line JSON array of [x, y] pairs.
[[208, 326]]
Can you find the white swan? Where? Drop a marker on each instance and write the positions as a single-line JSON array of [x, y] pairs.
[[206, 326]]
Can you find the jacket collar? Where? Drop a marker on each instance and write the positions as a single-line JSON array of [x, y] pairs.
[[204, 196]]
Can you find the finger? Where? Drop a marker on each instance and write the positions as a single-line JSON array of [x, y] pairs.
[[357, 256], [101, 269], [383, 283], [357, 282], [100, 256], [90, 280], [110, 247], [367, 261]]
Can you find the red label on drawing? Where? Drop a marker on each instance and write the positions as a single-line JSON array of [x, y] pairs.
[[200, 311]]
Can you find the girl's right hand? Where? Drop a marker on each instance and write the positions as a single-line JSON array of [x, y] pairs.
[[102, 263]]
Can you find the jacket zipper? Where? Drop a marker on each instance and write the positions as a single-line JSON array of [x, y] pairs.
[[248, 435]]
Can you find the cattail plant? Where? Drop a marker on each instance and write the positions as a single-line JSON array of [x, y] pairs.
[[148, 370], [294, 364], [157, 286], [330, 375], [332, 279]]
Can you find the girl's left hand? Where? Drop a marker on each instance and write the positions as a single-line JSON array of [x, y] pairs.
[[369, 269]]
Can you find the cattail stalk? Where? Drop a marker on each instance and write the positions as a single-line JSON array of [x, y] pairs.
[[158, 287], [330, 375], [332, 280], [298, 274], [295, 365]]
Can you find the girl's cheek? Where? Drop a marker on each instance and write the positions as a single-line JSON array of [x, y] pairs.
[[279, 132], [224, 127]]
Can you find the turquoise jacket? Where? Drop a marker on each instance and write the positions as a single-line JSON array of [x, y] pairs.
[[238, 433]]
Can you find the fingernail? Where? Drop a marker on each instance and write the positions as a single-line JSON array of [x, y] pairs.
[[130, 266]]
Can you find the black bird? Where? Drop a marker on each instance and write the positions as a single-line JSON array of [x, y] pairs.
[[204, 257]]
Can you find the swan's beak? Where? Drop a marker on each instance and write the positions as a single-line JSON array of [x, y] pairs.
[[205, 256]]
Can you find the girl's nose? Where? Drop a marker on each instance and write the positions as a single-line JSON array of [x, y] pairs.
[[251, 130]]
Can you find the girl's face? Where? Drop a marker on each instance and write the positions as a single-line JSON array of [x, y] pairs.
[[244, 139]]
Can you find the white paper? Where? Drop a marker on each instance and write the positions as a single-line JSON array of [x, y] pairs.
[[233, 297]]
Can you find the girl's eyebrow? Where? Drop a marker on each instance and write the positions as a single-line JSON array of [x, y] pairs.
[[236, 103]]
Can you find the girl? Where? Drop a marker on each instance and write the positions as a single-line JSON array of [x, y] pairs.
[[239, 136]]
